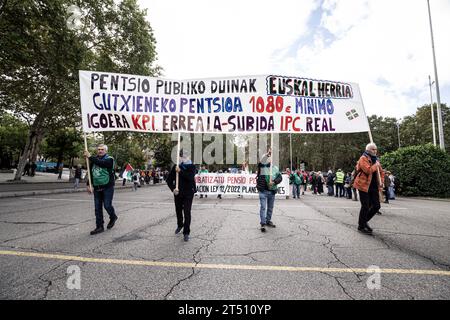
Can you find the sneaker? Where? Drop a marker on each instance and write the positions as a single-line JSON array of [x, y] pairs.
[[186, 237], [97, 231], [270, 224], [263, 228], [364, 230], [178, 230], [112, 222], [369, 228]]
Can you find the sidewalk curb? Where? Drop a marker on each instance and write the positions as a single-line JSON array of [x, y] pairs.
[[15, 194], [432, 199]]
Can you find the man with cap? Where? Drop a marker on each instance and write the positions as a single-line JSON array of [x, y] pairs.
[[184, 195]]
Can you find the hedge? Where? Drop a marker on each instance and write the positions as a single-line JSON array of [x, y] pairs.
[[420, 170]]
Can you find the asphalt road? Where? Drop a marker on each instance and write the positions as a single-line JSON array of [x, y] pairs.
[[315, 252]]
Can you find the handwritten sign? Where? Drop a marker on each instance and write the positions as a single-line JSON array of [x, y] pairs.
[[251, 104]]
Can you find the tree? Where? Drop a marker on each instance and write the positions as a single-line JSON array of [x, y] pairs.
[[421, 170], [40, 55], [13, 135], [63, 144], [418, 130]]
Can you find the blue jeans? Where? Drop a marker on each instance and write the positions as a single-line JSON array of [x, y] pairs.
[[391, 193], [103, 198], [296, 191], [266, 201], [330, 190]]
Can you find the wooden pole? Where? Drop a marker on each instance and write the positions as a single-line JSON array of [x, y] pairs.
[[380, 192], [177, 176], [380, 183], [290, 150], [87, 162], [271, 157]]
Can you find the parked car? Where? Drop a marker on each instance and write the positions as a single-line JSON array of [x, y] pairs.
[[43, 166]]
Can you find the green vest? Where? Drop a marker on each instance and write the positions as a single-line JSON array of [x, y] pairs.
[[340, 177], [276, 176], [101, 176]]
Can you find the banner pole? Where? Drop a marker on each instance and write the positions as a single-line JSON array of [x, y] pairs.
[[290, 149], [380, 192], [271, 156], [87, 162], [177, 178]]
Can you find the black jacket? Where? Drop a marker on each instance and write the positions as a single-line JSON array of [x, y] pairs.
[[186, 184]]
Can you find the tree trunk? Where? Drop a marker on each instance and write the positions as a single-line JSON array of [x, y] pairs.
[[34, 138], [24, 157], [35, 147]]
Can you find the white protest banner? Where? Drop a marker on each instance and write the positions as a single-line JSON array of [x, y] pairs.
[[234, 184], [251, 104]]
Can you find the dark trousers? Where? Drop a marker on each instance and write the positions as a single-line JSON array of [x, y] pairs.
[[370, 204], [103, 198], [339, 190], [330, 190], [386, 195], [349, 193], [183, 204], [355, 193], [296, 190]]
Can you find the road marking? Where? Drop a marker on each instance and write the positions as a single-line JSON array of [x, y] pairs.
[[219, 266], [224, 205]]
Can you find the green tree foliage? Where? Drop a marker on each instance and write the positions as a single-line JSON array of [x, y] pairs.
[[418, 130], [13, 136], [63, 144], [40, 55], [334, 151], [421, 170]]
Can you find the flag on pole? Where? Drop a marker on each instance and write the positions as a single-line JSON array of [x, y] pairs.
[[127, 172]]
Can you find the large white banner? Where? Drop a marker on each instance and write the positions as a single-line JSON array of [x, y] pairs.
[[234, 184], [251, 104]]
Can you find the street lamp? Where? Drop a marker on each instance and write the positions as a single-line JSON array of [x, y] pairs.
[[398, 132], [432, 111], [438, 95]]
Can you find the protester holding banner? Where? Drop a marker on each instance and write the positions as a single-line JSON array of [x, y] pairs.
[[184, 195], [369, 181], [102, 173], [267, 187]]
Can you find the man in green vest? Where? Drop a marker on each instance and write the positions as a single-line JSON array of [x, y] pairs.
[[102, 175], [340, 176], [297, 179]]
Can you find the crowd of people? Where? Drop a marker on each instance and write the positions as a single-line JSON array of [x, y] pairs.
[[338, 183], [142, 177], [368, 181]]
